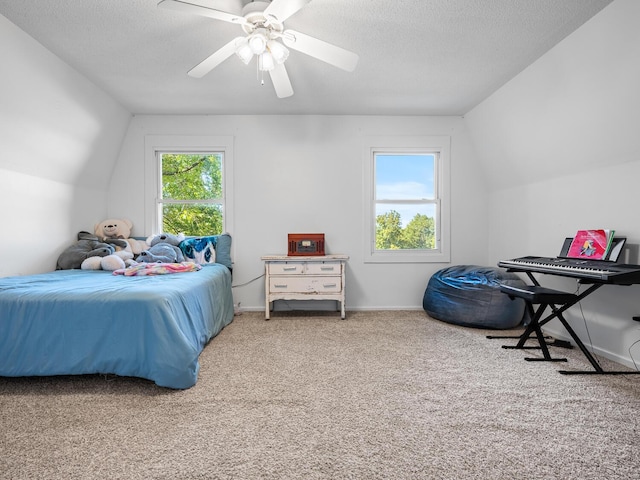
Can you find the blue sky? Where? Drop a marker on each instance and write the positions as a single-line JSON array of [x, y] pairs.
[[401, 177]]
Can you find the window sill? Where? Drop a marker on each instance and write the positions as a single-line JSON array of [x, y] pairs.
[[409, 256]]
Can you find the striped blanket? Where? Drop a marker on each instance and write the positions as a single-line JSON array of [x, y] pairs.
[[158, 269]]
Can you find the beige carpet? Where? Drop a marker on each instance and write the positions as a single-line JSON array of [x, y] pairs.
[[381, 395]]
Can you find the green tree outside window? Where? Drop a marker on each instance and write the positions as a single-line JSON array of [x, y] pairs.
[[418, 234], [192, 193]]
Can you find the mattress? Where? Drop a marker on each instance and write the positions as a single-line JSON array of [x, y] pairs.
[[72, 322]]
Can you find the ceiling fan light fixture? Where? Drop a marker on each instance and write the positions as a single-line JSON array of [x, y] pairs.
[[264, 36], [258, 42], [278, 50], [244, 52], [266, 62]]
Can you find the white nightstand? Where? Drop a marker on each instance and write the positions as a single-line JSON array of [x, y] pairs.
[[304, 278]]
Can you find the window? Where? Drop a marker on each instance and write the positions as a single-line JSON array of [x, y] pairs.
[[406, 199], [191, 190], [191, 199]]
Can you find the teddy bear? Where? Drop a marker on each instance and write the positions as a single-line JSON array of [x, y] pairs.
[[164, 237], [162, 253], [115, 261], [89, 253], [162, 248], [87, 246], [116, 228]]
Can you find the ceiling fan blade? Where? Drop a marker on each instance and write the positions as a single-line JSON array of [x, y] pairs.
[[280, 10], [231, 6], [202, 8], [333, 55], [215, 59], [281, 82]]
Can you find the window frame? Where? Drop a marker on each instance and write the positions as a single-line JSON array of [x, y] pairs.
[[159, 144], [428, 145]]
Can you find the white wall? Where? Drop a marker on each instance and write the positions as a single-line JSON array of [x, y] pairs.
[[561, 146], [305, 174], [60, 135]]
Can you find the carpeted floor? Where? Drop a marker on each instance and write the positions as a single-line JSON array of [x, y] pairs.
[[380, 395]]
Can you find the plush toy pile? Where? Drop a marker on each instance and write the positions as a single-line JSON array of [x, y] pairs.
[[112, 248]]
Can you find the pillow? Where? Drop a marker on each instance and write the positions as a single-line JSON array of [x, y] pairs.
[[209, 249]]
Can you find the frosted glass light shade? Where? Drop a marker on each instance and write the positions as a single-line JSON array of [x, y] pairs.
[[258, 43], [266, 62], [244, 52], [279, 51]]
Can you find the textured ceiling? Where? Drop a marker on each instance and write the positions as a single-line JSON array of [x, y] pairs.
[[417, 57]]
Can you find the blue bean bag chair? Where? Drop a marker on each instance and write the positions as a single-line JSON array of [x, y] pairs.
[[470, 296]]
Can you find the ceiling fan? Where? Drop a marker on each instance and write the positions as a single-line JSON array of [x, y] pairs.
[[265, 37]]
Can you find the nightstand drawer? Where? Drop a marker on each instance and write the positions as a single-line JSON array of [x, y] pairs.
[[332, 268], [302, 284], [286, 268]]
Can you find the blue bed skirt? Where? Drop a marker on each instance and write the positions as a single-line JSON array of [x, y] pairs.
[[72, 322]]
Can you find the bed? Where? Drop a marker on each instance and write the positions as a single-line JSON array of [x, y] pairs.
[[70, 322]]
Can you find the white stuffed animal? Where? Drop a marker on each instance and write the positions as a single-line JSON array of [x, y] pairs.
[[115, 261], [120, 228]]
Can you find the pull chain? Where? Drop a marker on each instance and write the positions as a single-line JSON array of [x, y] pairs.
[[259, 73]]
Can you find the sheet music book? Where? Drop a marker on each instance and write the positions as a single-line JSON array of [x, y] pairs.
[[591, 244], [617, 246]]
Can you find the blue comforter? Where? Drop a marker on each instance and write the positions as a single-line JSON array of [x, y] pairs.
[[71, 322]]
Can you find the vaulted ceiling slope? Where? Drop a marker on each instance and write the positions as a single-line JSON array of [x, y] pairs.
[[417, 57]]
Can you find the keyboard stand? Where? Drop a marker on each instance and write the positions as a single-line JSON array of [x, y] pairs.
[[555, 343], [543, 298], [559, 302]]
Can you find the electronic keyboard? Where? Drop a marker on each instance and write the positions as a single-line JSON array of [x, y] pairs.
[[597, 271]]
